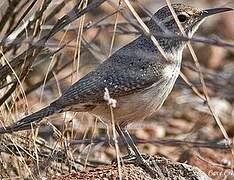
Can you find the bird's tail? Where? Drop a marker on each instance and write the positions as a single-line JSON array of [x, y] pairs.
[[28, 121]]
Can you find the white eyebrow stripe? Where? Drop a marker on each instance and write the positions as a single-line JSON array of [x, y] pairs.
[[183, 13]]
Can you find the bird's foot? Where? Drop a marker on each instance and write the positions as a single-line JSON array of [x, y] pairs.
[[139, 161], [130, 158]]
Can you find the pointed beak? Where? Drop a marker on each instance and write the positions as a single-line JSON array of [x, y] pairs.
[[209, 12]]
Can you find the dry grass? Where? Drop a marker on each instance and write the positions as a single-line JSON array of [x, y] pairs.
[[48, 45]]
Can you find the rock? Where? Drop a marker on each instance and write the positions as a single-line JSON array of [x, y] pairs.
[[169, 169]]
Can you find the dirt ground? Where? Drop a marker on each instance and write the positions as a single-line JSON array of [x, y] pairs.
[[183, 130]]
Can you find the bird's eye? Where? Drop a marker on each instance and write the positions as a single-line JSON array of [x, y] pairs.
[[182, 18]]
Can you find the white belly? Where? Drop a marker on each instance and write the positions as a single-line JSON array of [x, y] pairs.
[[138, 106]]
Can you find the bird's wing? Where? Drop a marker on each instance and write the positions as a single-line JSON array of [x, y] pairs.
[[129, 70]]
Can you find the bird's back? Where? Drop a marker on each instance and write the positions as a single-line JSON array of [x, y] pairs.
[[137, 76], [129, 70]]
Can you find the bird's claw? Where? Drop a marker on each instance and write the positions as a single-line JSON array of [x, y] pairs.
[[139, 161]]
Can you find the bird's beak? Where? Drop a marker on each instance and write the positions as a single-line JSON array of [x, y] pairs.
[[209, 12]]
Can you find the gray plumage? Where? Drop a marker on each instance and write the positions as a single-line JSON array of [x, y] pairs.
[[25, 123], [136, 75], [129, 70]]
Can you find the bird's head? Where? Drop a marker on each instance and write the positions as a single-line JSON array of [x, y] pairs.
[[189, 17]]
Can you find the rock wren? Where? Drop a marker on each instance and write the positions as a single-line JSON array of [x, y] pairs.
[[137, 75]]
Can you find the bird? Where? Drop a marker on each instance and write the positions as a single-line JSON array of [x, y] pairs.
[[137, 76]]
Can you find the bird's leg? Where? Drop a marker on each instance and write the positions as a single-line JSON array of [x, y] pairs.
[[134, 156], [132, 146], [125, 141]]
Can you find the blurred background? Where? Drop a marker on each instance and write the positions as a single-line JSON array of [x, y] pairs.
[[183, 130]]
